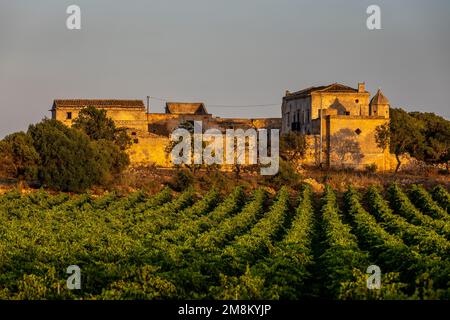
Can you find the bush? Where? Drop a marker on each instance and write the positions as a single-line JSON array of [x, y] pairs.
[[70, 161], [287, 175], [182, 180], [371, 168], [95, 123], [67, 157], [19, 157]]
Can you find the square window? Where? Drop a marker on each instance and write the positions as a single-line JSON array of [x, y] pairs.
[[358, 131], [136, 141]]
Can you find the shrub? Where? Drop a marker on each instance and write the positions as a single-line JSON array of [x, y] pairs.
[[67, 157], [371, 168], [182, 180], [19, 157]]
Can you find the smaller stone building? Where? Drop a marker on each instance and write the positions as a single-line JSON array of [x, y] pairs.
[[125, 113], [150, 132]]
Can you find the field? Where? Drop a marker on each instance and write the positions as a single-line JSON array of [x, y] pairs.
[[243, 245]]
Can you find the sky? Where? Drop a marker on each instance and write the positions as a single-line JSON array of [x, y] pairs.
[[230, 54]]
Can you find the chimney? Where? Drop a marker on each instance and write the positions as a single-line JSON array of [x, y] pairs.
[[287, 92], [361, 87]]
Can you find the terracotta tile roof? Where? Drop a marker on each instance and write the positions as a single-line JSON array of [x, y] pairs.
[[335, 87], [98, 103], [186, 108]]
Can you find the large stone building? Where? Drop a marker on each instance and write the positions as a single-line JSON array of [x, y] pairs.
[[150, 132], [340, 123]]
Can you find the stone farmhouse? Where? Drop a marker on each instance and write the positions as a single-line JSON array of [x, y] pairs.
[[338, 121], [150, 132]]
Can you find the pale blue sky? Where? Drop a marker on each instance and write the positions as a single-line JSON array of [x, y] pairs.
[[223, 52]]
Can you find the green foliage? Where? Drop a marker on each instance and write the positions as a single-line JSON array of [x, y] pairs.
[[372, 168], [426, 241], [95, 123], [183, 179], [391, 289], [235, 225], [393, 255], [425, 136], [423, 200], [19, 157], [254, 244], [436, 132], [286, 176], [403, 206], [190, 246], [293, 146], [64, 158], [67, 157], [342, 254], [442, 197]]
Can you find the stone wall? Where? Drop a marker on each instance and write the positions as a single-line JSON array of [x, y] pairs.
[[124, 117], [354, 103], [348, 141]]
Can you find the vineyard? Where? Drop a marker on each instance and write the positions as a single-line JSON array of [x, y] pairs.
[[244, 245]]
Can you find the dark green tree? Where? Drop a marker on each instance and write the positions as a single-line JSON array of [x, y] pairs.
[[436, 132], [425, 136], [293, 146], [67, 157], [95, 123], [19, 157]]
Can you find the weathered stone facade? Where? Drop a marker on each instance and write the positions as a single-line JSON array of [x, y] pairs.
[[340, 123], [150, 132]]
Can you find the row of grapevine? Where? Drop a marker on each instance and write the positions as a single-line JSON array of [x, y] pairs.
[[187, 231], [287, 268], [234, 226], [258, 241], [423, 201], [426, 241], [442, 197], [202, 247], [201, 255], [342, 254], [403, 206], [393, 255]]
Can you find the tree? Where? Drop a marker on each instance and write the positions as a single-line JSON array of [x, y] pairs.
[[189, 126], [293, 147], [424, 136], [19, 157], [68, 159], [110, 159], [95, 123], [383, 136], [436, 133]]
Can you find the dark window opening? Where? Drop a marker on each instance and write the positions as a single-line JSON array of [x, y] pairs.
[[347, 113], [136, 141], [357, 100], [133, 133], [69, 115], [358, 131]]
